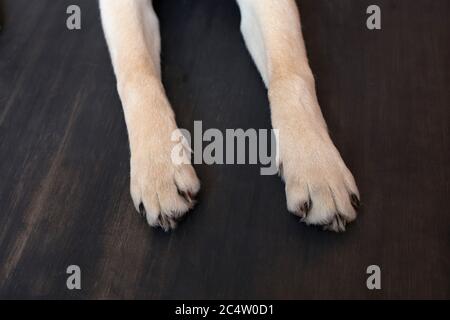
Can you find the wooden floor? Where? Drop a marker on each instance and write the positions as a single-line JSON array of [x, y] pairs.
[[64, 171]]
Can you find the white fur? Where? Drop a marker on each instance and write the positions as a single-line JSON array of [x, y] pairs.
[[132, 32], [312, 167]]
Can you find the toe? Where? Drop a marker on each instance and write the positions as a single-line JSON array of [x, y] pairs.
[[336, 224], [323, 207], [151, 208], [343, 203], [135, 192], [172, 204], [349, 182], [298, 199], [186, 180], [166, 223], [305, 208]]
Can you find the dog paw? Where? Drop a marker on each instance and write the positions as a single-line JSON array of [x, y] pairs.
[[319, 187], [162, 189], [163, 192]]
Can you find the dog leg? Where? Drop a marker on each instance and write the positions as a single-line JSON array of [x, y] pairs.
[[319, 187], [160, 188]]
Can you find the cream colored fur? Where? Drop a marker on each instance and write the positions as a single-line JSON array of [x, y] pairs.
[[319, 187]]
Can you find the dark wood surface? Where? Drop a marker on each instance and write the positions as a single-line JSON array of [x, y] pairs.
[[64, 171]]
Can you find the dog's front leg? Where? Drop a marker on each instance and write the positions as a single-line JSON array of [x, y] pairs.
[[161, 189], [319, 187]]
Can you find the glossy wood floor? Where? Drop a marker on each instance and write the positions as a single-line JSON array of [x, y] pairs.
[[64, 171]]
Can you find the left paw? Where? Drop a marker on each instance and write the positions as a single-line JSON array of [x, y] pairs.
[[319, 187]]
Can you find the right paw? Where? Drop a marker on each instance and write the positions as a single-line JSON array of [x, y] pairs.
[[162, 191]]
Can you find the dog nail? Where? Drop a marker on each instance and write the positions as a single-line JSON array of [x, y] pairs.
[[355, 201], [305, 208], [341, 222], [142, 211], [187, 195], [162, 222]]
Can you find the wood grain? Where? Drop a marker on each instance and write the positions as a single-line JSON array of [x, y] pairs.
[[64, 172]]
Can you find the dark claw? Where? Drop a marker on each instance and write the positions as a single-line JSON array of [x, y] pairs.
[[280, 170], [337, 224], [305, 208], [330, 226], [188, 196], [163, 223], [341, 221], [166, 223], [142, 211], [355, 201]]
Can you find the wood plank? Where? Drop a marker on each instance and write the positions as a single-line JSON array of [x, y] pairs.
[[64, 172]]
